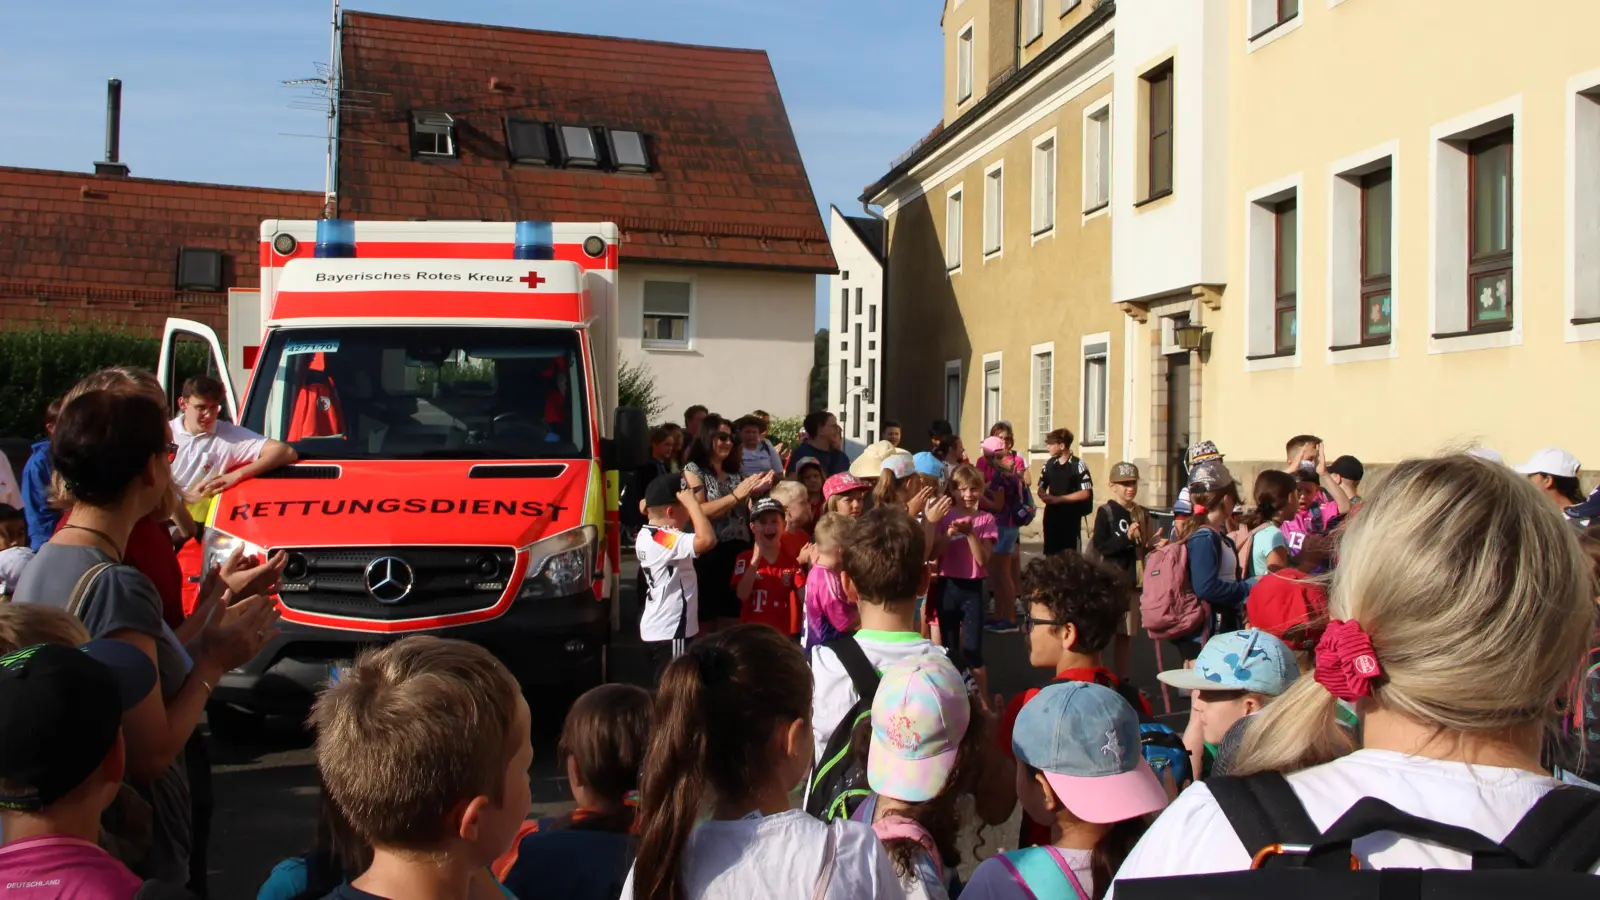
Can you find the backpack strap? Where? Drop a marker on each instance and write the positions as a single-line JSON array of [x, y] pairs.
[[830, 851], [891, 828], [863, 677], [1560, 833], [1263, 810], [81, 589], [1042, 872]]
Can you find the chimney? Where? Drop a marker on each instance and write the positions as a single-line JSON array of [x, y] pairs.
[[111, 166]]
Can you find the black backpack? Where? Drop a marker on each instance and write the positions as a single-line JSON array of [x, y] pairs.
[[839, 783], [1548, 855]]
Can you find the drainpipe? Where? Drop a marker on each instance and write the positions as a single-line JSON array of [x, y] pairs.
[[1016, 37]]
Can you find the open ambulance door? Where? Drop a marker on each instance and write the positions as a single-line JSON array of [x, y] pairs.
[[190, 348]]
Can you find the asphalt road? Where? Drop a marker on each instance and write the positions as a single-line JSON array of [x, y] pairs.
[[265, 783]]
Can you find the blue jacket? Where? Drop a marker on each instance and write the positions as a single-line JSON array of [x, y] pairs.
[[41, 516], [1205, 561]]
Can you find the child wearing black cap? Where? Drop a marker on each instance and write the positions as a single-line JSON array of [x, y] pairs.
[[666, 554], [61, 764]]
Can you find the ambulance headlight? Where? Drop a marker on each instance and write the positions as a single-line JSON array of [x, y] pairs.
[[219, 545], [562, 565]]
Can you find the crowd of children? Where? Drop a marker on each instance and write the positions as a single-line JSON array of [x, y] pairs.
[[809, 738]]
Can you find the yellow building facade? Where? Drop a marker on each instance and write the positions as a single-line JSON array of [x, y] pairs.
[[997, 279], [1413, 229]]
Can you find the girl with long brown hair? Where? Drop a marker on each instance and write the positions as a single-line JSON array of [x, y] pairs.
[[732, 736], [1213, 560]]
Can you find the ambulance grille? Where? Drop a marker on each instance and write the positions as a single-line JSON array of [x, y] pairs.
[[444, 580]]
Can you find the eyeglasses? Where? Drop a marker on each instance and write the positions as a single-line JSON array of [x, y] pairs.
[[1029, 620], [172, 452], [722, 437]]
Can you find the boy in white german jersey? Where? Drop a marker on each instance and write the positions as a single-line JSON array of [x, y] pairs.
[[666, 554]]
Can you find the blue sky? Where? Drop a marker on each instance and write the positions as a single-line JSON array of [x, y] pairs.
[[202, 101]]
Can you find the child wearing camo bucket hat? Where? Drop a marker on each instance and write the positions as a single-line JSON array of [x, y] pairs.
[[1236, 674], [923, 755], [1080, 771]]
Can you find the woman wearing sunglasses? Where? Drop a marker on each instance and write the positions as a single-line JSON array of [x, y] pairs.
[[713, 473], [111, 449]]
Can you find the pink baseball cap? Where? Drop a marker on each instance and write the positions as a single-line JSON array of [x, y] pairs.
[[1085, 739], [919, 717], [993, 444], [842, 483]]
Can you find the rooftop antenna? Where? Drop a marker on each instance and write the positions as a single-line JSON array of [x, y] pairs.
[[325, 98]]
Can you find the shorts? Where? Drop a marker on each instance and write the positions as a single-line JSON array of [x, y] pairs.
[[714, 572], [1007, 542], [1128, 622]]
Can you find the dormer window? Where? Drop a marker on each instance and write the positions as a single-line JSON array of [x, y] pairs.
[[529, 142], [578, 147], [628, 151], [199, 270], [433, 134]]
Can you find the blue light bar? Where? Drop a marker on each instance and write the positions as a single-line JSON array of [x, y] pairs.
[[336, 239], [535, 240]]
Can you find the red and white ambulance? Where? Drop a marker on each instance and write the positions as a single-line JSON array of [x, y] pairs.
[[450, 390]]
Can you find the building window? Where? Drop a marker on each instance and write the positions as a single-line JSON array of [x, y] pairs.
[[1266, 15], [1158, 163], [858, 302], [856, 361], [1032, 21], [952, 394], [1096, 388], [871, 437], [433, 134], [1489, 220], [872, 318], [1044, 386], [199, 270], [964, 65], [628, 151], [845, 275], [1286, 276], [528, 142], [1583, 186], [844, 310], [578, 147], [994, 224], [872, 382], [844, 381], [952, 231], [668, 306], [991, 391], [1097, 160], [1044, 185], [1377, 237], [855, 417], [1069, 5]]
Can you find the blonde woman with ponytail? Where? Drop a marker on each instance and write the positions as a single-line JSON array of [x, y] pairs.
[[1461, 612]]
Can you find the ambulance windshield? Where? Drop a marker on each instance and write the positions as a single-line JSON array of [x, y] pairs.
[[434, 392]]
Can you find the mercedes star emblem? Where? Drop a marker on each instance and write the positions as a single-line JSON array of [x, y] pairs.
[[389, 579]]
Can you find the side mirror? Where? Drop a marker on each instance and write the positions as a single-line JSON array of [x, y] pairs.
[[630, 437]]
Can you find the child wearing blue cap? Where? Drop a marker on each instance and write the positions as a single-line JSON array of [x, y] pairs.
[[1236, 674], [1081, 773]]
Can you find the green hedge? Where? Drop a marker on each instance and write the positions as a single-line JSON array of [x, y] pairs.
[[40, 365]]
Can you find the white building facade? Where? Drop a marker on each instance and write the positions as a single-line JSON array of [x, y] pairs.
[[855, 328]]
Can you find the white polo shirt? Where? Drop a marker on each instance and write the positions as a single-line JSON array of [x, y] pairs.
[[216, 452], [672, 599]]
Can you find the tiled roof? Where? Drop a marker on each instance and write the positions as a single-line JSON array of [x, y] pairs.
[[100, 239], [729, 187]]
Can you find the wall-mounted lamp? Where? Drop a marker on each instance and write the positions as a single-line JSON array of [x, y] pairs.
[[1190, 336]]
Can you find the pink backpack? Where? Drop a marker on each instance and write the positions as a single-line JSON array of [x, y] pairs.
[[1168, 607]]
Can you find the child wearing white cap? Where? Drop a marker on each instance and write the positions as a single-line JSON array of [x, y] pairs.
[[1083, 774]]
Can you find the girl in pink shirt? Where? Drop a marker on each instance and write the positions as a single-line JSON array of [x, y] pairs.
[[828, 612], [965, 539]]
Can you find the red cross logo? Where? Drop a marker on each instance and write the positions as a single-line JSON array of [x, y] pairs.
[[532, 280]]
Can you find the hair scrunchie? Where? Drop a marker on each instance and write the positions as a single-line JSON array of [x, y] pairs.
[[1346, 663], [714, 662]]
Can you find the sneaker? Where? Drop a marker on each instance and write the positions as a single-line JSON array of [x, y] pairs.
[[998, 625]]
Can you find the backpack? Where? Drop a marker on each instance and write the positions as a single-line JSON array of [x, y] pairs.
[[1026, 509], [1244, 542], [1162, 747], [1042, 873], [1168, 606], [839, 782], [1289, 606], [1548, 855]]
